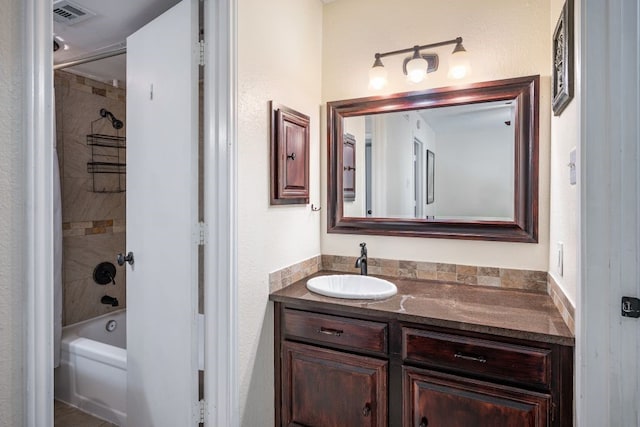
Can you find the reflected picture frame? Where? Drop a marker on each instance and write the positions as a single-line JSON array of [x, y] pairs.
[[431, 176], [562, 84]]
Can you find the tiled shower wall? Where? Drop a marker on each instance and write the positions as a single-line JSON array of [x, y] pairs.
[[93, 223]]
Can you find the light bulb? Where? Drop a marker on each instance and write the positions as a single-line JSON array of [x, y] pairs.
[[377, 76], [459, 64], [417, 69]]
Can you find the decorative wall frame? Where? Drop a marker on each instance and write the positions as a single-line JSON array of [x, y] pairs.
[[289, 144], [563, 59]]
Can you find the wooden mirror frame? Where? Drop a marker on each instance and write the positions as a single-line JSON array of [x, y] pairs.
[[523, 227]]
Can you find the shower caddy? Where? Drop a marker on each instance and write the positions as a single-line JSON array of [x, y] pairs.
[[107, 156]]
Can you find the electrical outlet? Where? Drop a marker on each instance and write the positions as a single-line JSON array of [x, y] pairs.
[[572, 167], [560, 260]]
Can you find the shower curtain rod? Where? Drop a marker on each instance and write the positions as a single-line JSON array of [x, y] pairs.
[[91, 58]]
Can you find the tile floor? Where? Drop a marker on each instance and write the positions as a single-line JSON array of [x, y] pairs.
[[68, 416]]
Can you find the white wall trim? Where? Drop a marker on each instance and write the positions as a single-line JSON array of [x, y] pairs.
[[221, 329], [38, 122], [607, 345], [221, 266]]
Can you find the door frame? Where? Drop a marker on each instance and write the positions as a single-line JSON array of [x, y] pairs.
[[221, 383], [38, 309]]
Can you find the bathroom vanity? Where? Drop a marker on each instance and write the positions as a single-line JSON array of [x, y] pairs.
[[434, 354]]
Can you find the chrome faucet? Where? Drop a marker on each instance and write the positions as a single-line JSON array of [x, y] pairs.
[[361, 262]]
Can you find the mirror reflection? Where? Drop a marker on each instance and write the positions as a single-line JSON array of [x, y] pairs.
[[446, 163]]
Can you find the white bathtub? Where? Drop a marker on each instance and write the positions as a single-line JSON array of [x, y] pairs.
[[93, 367]]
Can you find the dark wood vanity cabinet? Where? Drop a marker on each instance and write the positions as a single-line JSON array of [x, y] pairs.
[[435, 399], [337, 369], [328, 388]]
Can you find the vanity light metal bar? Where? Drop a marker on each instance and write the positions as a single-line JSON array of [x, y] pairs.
[[426, 46], [418, 65]]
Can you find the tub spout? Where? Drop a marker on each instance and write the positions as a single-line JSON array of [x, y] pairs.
[[109, 300]]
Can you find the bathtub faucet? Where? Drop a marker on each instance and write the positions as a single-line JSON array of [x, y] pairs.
[[109, 300]]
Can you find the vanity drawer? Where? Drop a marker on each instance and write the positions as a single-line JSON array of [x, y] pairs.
[[511, 362], [343, 332]]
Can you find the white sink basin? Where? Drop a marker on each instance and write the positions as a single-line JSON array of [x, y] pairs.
[[351, 286]]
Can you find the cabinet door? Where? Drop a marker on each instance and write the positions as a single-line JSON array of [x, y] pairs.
[[326, 388], [432, 399], [289, 156]]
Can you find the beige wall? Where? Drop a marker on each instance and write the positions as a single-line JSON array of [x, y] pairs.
[[505, 39], [93, 222], [12, 212], [279, 58], [565, 136]]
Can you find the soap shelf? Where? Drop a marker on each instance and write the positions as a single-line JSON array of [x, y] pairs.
[[100, 140], [107, 165]]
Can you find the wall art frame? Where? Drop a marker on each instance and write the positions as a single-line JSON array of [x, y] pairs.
[[562, 84]]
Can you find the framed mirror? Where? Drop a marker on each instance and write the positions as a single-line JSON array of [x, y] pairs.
[[457, 162]]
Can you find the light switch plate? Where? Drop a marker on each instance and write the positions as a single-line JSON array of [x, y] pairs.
[[560, 264]]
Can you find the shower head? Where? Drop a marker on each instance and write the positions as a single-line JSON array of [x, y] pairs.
[[117, 124]]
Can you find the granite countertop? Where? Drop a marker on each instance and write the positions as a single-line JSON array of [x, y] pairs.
[[497, 311]]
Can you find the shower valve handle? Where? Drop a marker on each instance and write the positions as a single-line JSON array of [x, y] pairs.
[[128, 258]]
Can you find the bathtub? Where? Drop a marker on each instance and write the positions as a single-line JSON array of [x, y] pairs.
[[93, 367]]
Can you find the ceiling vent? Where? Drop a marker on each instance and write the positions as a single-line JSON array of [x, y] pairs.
[[68, 13]]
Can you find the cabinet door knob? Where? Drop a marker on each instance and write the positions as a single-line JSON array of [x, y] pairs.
[[291, 156], [366, 411], [423, 422]]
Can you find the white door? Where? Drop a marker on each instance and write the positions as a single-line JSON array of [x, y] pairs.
[[607, 343], [162, 376]]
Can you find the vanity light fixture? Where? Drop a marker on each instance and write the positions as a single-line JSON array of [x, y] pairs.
[[419, 64]]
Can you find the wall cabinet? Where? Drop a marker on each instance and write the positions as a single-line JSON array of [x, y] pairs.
[[335, 368], [349, 167], [289, 156]]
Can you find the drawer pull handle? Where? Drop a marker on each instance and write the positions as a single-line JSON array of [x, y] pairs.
[[472, 358], [423, 422], [366, 411], [327, 331]]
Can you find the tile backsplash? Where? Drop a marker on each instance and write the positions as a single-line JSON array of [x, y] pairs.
[[562, 303], [282, 278], [463, 274]]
